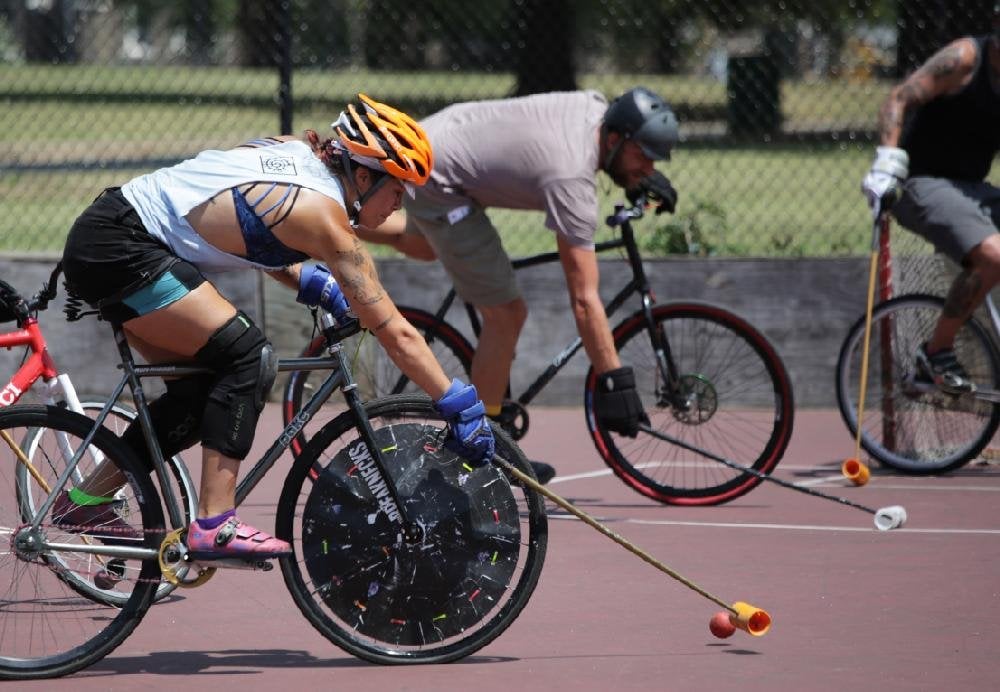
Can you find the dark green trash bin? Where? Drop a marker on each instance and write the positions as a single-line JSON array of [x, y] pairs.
[[753, 95]]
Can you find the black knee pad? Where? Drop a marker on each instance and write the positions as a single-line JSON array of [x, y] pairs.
[[176, 417], [245, 367]]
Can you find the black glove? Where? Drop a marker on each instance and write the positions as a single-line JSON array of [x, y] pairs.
[[657, 189], [617, 404]]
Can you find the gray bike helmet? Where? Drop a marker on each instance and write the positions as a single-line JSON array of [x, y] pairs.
[[644, 117]]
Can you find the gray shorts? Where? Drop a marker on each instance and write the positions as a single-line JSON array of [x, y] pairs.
[[470, 250], [954, 215]]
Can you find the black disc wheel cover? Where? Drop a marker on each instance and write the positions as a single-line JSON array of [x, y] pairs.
[[412, 593]]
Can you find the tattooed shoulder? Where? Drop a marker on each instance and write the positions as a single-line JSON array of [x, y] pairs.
[[946, 62]]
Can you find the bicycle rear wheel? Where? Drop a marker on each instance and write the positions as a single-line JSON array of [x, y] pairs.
[[49, 629], [911, 429], [373, 371], [431, 599], [31, 496], [734, 400]]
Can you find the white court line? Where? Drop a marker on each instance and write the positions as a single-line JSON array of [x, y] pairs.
[[782, 527], [830, 481]]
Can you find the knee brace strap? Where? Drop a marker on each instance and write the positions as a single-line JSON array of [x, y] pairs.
[[245, 367]]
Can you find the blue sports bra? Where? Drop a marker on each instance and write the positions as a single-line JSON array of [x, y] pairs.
[[262, 246]]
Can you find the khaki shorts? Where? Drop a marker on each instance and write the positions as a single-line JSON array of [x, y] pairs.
[[954, 215], [470, 251]]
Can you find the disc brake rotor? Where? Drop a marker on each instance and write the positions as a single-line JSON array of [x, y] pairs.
[[696, 400]]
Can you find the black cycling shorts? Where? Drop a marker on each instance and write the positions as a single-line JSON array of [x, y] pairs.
[[110, 258]]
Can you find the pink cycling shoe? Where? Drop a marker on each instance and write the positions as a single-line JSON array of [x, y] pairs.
[[233, 539]]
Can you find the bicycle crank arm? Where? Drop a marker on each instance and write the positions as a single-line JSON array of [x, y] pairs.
[[235, 563]]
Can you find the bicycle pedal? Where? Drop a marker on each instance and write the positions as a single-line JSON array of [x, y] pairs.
[[264, 565]]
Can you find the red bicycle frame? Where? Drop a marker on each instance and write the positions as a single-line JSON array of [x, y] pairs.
[[38, 366]]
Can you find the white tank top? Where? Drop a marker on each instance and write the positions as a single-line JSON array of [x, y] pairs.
[[164, 197]]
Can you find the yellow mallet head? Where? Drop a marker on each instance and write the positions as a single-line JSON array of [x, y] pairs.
[[750, 619]]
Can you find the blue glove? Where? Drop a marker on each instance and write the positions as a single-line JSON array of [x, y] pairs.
[[469, 433], [318, 287]]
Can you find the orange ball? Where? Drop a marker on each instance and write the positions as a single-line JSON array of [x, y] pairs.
[[720, 625]]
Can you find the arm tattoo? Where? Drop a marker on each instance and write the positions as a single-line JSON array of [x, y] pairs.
[[381, 325], [963, 295], [918, 89], [359, 275], [945, 63]]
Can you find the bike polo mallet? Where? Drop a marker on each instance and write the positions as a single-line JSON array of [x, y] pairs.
[[742, 615], [886, 518], [853, 468]]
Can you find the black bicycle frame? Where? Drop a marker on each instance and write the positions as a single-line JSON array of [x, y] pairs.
[[638, 284], [133, 375]]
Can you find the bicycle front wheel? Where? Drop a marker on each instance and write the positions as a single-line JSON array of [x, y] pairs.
[[49, 629], [732, 397], [31, 496], [449, 588], [916, 430], [374, 372]]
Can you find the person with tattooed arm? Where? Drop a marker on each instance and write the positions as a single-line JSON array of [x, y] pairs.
[[939, 133], [137, 254]]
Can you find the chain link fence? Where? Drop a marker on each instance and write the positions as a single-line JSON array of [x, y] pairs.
[[777, 100]]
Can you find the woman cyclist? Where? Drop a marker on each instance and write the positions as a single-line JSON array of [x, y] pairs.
[[137, 255]]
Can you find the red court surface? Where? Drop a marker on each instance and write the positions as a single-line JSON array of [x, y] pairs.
[[853, 608]]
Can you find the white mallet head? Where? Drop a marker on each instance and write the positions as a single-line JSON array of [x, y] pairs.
[[888, 518]]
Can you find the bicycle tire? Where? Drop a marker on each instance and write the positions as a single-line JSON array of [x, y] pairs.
[[49, 629], [743, 396], [118, 419], [916, 433], [373, 371], [388, 601]]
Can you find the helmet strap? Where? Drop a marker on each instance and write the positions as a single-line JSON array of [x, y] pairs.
[[359, 199], [613, 154]]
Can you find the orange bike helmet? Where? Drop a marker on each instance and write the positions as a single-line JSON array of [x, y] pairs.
[[380, 137]]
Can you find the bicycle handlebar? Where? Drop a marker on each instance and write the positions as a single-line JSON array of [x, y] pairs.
[[625, 214], [653, 189]]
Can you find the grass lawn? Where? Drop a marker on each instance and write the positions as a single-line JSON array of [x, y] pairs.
[[761, 201]]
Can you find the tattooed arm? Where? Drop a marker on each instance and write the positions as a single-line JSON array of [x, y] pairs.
[[319, 227], [945, 72]]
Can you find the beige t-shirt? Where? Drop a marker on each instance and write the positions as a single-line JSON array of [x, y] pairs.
[[535, 152]]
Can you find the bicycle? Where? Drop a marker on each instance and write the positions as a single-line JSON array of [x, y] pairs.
[[402, 552], [705, 375], [908, 426], [38, 368]]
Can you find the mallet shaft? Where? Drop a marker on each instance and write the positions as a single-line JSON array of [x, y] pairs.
[[746, 469], [593, 523]]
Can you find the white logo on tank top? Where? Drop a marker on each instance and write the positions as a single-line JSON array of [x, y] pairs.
[[281, 165]]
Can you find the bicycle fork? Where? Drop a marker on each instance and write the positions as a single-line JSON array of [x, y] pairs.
[[668, 390]]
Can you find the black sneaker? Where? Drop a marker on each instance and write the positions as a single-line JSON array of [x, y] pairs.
[[942, 370], [544, 472]]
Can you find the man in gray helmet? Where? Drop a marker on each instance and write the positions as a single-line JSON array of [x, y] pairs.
[[939, 133], [543, 153]]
